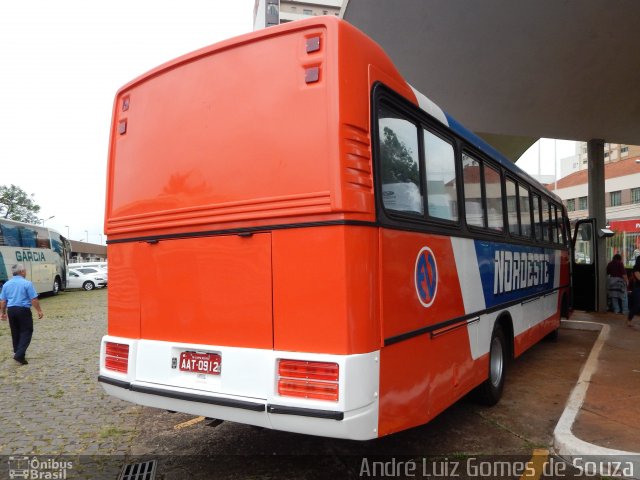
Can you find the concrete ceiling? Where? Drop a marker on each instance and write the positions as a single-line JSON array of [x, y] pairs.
[[515, 71]]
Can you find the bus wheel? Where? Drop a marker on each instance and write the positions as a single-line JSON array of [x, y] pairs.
[[56, 286], [88, 286], [489, 392]]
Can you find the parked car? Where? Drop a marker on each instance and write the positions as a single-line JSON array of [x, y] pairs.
[[86, 281], [92, 271]]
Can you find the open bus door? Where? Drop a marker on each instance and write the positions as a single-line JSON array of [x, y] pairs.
[[584, 266], [585, 276]]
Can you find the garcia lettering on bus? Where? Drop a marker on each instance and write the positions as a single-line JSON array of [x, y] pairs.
[[29, 256], [518, 270]]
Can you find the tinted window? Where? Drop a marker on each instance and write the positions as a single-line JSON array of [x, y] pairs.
[[525, 212], [27, 237], [512, 208], [440, 166], [545, 221], [88, 270], [474, 209], [536, 216], [56, 243], [493, 191], [10, 235], [399, 163]]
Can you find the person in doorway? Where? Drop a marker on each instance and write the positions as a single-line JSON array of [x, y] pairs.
[[617, 285], [635, 292], [16, 299]]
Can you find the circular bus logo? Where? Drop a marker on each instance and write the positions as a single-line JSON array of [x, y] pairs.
[[426, 276]]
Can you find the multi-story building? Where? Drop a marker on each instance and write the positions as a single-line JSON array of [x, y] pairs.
[[294, 10], [613, 152], [274, 12]]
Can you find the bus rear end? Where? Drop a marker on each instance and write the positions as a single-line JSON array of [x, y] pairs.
[[243, 265]]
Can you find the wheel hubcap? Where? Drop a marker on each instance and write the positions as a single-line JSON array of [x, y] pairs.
[[497, 362]]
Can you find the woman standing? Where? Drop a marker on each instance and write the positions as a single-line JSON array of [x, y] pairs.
[[617, 285], [635, 292]]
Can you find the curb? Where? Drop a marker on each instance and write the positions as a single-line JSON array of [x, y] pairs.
[[565, 443]]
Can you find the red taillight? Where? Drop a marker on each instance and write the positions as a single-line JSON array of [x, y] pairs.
[[300, 388], [116, 357], [308, 370], [318, 380]]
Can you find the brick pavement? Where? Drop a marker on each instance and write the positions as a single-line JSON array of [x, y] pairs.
[[54, 405]]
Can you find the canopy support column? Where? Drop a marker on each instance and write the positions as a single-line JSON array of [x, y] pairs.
[[597, 210]]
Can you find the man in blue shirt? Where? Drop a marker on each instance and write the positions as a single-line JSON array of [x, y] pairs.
[[16, 298]]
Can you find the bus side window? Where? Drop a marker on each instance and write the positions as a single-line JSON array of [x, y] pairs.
[[27, 237], [557, 235], [11, 235], [471, 175], [440, 166], [400, 164], [493, 189], [546, 228], [525, 211], [42, 239], [561, 226], [512, 208], [537, 222]]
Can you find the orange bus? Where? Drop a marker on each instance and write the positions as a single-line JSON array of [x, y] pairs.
[[300, 240]]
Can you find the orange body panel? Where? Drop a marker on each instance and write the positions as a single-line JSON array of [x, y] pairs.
[[325, 291], [422, 376]]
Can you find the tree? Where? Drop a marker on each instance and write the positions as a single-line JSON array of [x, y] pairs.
[[16, 204], [398, 165]]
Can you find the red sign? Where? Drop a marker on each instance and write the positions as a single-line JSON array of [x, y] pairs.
[[625, 226]]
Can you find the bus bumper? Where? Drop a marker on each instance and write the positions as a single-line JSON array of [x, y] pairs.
[[354, 416]]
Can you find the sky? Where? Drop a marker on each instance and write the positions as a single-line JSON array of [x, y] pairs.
[[539, 158], [61, 63]]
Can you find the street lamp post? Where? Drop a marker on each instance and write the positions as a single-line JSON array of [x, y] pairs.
[[87, 235], [44, 220], [68, 235]]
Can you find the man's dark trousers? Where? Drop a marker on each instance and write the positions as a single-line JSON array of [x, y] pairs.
[[21, 323]]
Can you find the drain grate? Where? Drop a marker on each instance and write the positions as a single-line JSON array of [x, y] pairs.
[[139, 471]]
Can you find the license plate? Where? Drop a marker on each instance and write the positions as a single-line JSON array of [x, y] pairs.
[[207, 363]]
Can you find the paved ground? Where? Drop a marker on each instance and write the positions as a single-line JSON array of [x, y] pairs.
[[610, 416], [55, 406]]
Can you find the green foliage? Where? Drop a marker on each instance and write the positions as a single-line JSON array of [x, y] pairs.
[[16, 204], [398, 165]]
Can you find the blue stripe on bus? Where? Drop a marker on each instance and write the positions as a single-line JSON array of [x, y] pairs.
[[483, 146], [511, 272]]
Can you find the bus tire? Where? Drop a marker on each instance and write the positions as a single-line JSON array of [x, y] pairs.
[[56, 286], [88, 286], [490, 391]]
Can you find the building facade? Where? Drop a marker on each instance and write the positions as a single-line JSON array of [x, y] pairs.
[[267, 13], [87, 252], [622, 200], [613, 152]]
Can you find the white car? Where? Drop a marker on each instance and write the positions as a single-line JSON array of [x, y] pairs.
[[86, 281], [93, 271]]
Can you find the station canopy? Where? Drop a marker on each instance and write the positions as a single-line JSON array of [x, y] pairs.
[[515, 71]]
